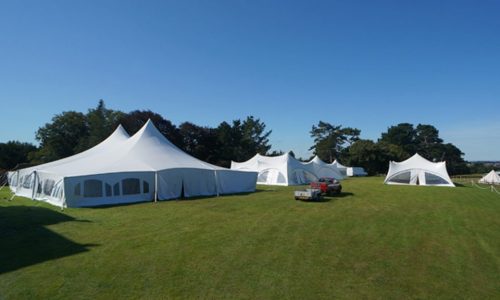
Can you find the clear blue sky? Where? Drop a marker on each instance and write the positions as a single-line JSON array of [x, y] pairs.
[[365, 64]]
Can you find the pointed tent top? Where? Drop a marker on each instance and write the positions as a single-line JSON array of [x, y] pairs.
[[338, 164], [119, 132], [490, 178], [149, 131], [417, 158], [318, 160]]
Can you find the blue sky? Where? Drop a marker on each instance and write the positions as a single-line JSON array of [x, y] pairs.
[[364, 64]]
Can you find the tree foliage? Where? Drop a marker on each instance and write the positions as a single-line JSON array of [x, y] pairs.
[[200, 142], [14, 153], [330, 140], [61, 137], [239, 140], [101, 122]]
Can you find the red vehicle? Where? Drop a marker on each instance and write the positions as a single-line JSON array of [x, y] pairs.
[[327, 185]]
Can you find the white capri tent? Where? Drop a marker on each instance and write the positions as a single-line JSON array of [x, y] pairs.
[[490, 178], [286, 170], [124, 169], [417, 170]]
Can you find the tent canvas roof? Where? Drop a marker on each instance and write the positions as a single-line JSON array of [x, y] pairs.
[[147, 150]]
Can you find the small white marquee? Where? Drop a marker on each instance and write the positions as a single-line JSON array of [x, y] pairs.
[[417, 170]]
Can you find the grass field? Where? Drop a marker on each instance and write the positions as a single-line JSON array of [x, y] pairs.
[[374, 241]]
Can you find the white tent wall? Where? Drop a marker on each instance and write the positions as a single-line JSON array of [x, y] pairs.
[[355, 171], [230, 181], [417, 170], [109, 189], [349, 171]]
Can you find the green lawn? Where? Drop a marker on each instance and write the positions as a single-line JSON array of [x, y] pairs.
[[374, 241]]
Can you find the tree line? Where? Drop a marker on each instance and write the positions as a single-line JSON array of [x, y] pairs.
[[72, 132], [398, 143]]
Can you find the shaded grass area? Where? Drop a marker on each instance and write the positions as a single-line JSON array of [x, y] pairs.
[[375, 241]]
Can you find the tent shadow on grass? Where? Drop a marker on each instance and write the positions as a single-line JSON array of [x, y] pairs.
[[24, 241]]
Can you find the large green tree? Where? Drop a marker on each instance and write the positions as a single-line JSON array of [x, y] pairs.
[[241, 140], [14, 153], [200, 142], [330, 140], [403, 135], [61, 137], [101, 122]]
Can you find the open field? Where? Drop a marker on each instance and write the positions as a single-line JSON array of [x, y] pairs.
[[373, 241]]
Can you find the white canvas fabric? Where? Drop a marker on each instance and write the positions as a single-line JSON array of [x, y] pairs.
[[349, 171], [286, 170], [125, 169], [490, 178], [417, 170]]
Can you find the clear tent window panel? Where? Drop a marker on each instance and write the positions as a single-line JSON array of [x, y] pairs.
[[401, 178], [434, 179], [48, 185], [92, 188], [108, 190], [263, 176], [145, 187], [131, 186], [27, 184], [78, 189], [116, 189], [310, 177], [281, 178]]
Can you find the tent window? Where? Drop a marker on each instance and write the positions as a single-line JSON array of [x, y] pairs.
[[310, 177], [299, 176], [145, 187], [58, 190], [431, 179], [281, 178], [48, 185], [263, 176], [39, 188], [108, 190], [27, 182], [92, 188], [116, 189], [131, 186], [401, 178], [78, 189]]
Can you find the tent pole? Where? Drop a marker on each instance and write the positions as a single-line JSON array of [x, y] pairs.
[[156, 186]]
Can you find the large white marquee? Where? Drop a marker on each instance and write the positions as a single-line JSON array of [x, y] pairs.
[[124, 169]]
